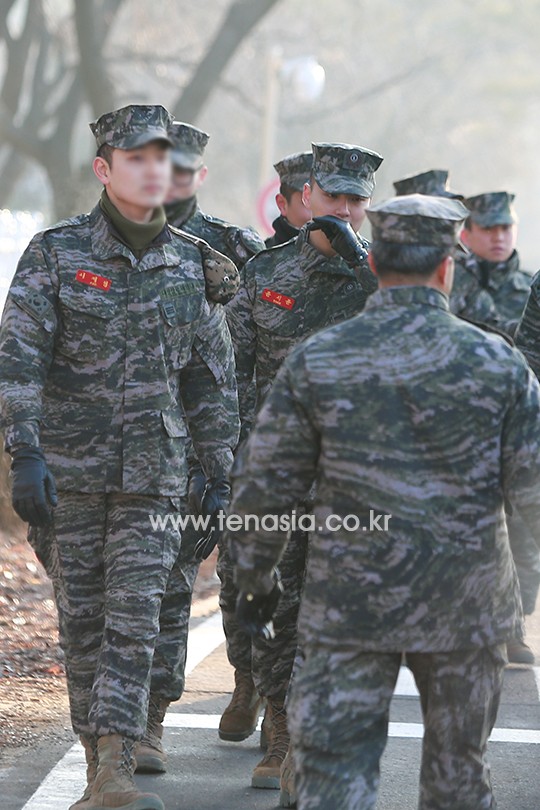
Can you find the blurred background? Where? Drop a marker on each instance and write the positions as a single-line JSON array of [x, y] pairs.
[[434, 84]]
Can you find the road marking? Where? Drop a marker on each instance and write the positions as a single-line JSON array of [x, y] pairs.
[[526, 736]]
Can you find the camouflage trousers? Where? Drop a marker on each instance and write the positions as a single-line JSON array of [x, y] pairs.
[[109, 569], [270, 662], [527, 560], [338, 719]]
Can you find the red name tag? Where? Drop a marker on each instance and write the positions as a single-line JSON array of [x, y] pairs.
[[279, 299], [92, 280]]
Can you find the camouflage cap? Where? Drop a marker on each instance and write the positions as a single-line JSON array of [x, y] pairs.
[[493, 208], [417, 219], [133, 126], [433, 182], [341, 168], [294, 170], [189, 144]]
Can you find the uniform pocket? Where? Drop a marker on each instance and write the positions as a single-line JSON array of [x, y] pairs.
[[87, 323]]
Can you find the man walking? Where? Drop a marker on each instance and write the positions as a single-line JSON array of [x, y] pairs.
[[103, 346], [416, 428]]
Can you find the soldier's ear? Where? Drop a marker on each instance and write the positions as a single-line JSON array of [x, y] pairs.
[[281, 203], [102, 170], [306, 195]]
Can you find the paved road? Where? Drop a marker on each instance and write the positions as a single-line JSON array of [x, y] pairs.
[[208, 774]]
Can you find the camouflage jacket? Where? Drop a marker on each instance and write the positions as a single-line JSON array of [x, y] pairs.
[[239, 244], [101, 356], [288, 293], [528, 331], [410, 412], [491, 292]]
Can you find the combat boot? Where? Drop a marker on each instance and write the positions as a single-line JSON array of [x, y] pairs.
[[239, 720], [266, 728], [149, 754], [266, 774], [90, 752], [114, 788], [287, 788], [519, 653]]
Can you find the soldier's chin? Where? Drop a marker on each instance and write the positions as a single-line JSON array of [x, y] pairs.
[[153, 199]]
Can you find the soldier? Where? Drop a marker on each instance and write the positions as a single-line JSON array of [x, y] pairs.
[[491, 272], [294, 171], [105, 347], [182, 207], [493, 265], [415, 426], [289, 292], [490, 307]]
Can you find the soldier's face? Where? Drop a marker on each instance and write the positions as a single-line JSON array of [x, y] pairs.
[[495, 244], [138, 177], [348, 207], [185, 183]]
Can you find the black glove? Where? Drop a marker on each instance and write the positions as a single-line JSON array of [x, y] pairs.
[[342, 238], [33, 487], [215, 500], [254, 611], [196, 487]]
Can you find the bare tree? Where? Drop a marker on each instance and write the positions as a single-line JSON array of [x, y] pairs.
[[51, 74]]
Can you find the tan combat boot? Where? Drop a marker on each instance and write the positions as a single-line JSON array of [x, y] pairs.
[[266, 728], [90, 751], [113, 786], [149, 754], [266, 774], [239, 720], [287, 788]]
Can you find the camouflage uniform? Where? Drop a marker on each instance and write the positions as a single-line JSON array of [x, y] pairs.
[[289, 292], [491, 292], [294, 171], [239, 244], [106, 360], [495, 293], [406, 411], [433, 182]]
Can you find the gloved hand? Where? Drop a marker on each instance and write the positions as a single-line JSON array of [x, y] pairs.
[[33, 487], [254, 611], [215, 500], [196, 486], [342, 238]]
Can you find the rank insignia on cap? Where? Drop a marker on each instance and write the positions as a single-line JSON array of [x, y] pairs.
[[100, 282], [279, 299]]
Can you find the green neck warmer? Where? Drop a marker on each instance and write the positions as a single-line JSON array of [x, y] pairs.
[[136, 235]]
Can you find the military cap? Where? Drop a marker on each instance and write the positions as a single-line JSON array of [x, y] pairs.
[[493, 208], [294, 170], [341, 168], [434, 182], [133, 126], [417, 219], [189, 144]]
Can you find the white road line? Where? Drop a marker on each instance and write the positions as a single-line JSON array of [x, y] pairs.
[[526, 736]]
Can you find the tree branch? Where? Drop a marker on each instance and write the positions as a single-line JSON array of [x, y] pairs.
[[97, 83], [242, 17]]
